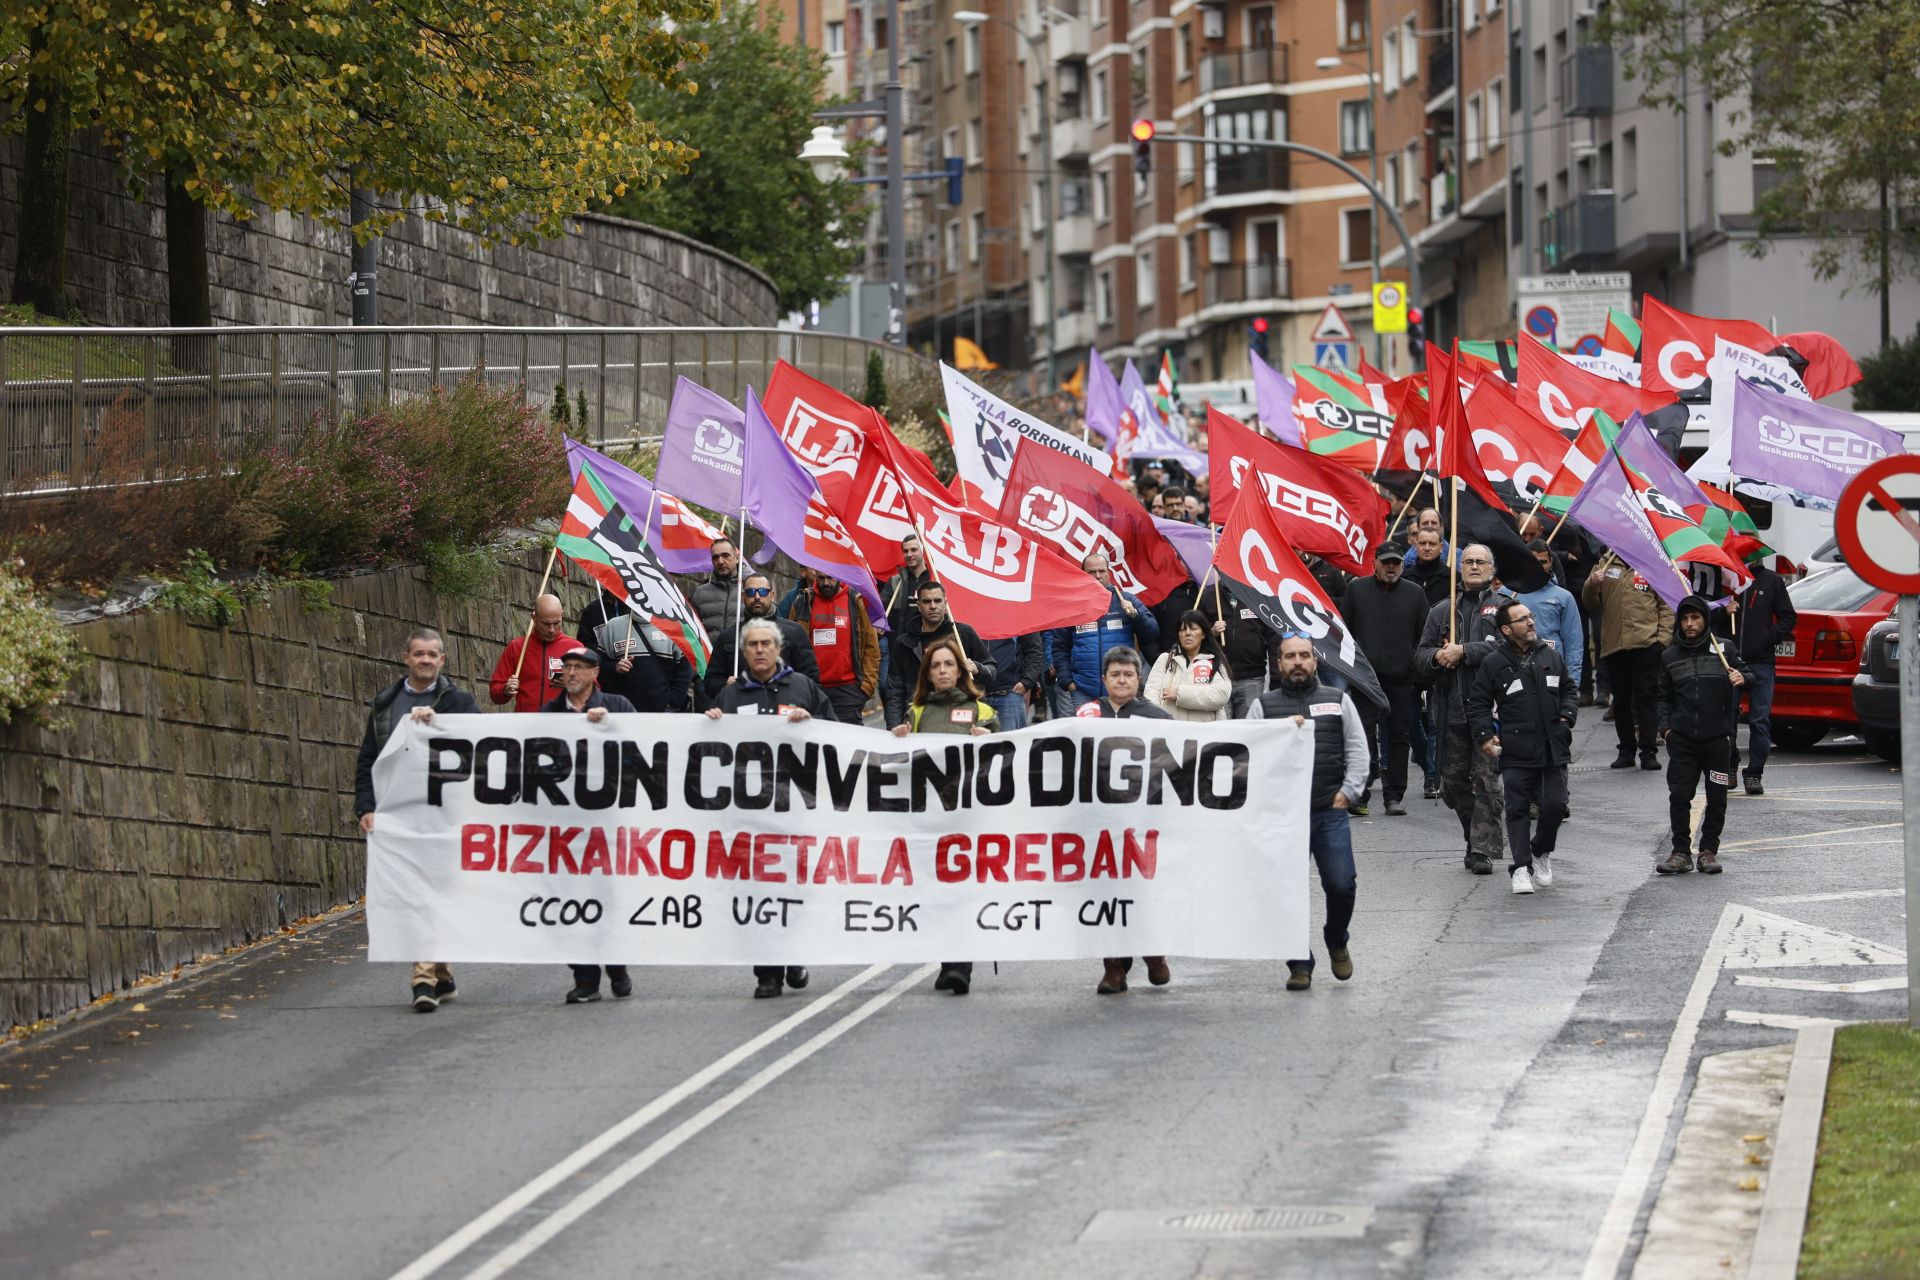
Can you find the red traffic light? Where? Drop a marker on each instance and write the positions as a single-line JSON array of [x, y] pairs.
[[1260, 324], [1143, 131], [1413, 315]]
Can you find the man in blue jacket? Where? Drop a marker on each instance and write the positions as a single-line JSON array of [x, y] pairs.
[[1077, 653]]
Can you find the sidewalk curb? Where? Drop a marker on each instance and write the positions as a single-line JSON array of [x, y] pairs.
[[1783, 1213]]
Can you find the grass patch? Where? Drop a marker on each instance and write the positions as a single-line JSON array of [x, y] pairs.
[[33, 359], [1864, 1219]]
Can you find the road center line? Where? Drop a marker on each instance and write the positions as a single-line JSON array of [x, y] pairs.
[[1808, 835], [565, 1216], [457, 1243]]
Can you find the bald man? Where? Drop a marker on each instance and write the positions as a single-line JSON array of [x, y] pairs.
[[528, 673]]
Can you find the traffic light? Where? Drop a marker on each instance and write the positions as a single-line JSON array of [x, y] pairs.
[[1416, 329], [1257, 336], [1143, 147]]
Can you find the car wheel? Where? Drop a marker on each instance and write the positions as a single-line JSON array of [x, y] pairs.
[[1796, 736], [1884, 743]]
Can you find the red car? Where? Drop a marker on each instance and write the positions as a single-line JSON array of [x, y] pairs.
[[1813, 672]]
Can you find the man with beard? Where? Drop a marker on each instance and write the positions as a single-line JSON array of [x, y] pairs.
[[1340, 767], [929, 621], [756, 596], [1635, 627], [1459, 636], [1521, 712], [1697, 705], [845, 646]]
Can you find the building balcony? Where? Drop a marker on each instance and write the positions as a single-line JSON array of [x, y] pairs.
[[1068, 37], [1073, 235], [1245, 282], [1072, 138], [1579, 236], [1440, 70], [1242, 172], [1243, 69], [1073, 329], [1586, 81]]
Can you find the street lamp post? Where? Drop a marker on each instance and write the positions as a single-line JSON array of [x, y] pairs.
[[974, 17]]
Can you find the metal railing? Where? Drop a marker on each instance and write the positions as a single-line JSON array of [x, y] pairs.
[[61, 388], [1245, 282], [1243, 67]]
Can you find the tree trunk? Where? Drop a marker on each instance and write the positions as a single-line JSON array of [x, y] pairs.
[[40, 267], [189, 290], [1886, 266]]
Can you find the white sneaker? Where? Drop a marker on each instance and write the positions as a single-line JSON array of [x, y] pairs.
[[1522, 882], [1543, 870]]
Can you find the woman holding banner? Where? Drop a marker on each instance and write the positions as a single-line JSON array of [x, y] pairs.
[[1190, 681], [946, 700]]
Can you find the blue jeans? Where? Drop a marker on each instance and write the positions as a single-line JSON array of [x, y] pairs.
[[1426, 741], [1067, 701], [1330, 841], [1759, 714], [1010, 707]]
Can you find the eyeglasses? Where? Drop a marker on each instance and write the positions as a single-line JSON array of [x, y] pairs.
[[1475, 561], [758, 591]]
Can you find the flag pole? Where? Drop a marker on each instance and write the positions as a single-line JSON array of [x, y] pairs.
[[1219, 610], [1453, 558], [739, 608], [520, 667], [1406, 506]]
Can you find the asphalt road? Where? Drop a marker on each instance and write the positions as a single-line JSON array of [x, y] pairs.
[[1493, 1094]]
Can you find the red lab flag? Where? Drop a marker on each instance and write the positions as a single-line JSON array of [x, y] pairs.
[[1319, 504], [999, 581], [1070, 505], [1564, 396]]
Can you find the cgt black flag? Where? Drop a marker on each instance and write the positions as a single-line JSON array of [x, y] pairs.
[[1253, 559], [1512, 562]]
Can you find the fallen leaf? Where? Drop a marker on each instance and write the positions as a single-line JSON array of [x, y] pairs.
[[1600, 1041], [1749, 1184], [1754, 1137], [140, 1008], [1754, 1157]]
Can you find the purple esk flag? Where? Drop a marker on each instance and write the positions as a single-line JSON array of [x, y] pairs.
[[780, 496], [1814, 448], [634, 493], [1273, 394], [1607, 508], [700, 449], [1103, 399]]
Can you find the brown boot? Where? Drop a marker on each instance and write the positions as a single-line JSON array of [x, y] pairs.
[[1677, 863], [1114, 981], [1710, 862], [1157, 972]]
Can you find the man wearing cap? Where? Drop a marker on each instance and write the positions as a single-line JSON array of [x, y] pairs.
[[579, 693], [1696, 706], [1384, 614]]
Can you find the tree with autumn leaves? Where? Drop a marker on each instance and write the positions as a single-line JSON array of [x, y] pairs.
[[502, 119]]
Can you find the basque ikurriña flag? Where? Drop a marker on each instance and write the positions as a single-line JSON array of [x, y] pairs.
[[598, 535], [678, 537]]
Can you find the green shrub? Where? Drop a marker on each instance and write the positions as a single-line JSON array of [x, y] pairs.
[[38, 658], [462, 573], [1890, 381], [875, 396], [201, 594]]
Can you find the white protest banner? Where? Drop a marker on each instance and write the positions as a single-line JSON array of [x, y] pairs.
[[1732, 363], [751, 840], [988, 432]]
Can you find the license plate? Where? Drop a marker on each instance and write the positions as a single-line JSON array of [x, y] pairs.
[[1784, 649]]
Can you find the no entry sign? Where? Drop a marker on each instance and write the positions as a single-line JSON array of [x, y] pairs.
[[1878, 524]]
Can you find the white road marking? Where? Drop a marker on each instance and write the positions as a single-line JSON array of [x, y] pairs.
[[1840, 896], [560, 1219], [457, 1243], [1781, 1021], [1811, 835], [1810, 984], [1763, 940], [1856, 786]]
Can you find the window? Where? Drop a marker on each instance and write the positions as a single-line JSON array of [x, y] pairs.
[[1473, 127], [976, 227], [1390, 180], [1139, 71], [1356, 128], [1471, 10], [1389, 59], [1493, 7], [950, 146], [1629, 175], [1409, 53], [1259, 27], [836, 37], [1603, 172], [972, 51], [1185, 161], [1076, 197], [1103, 298], [952, 255], [1517, 221], [1142, 187], [1496, 111], [1183, 51], [1102, 102], [1540, 79], [879, 33], [973, 141], [1145, 287], [950, 56], [1356, 236], [1189, 258], [1102, 195], [1353, 22], [1411, 195]]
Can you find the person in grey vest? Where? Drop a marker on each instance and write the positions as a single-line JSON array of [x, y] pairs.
[[1340, 768]]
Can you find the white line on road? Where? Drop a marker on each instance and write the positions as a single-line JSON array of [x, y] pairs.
[[1840, 896], [560, 1219], [1810, 835], [1782, 1021], [1616, 1229], [457, 1243], [1811, 984]]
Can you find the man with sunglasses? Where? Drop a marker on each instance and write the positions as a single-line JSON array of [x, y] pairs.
[[1460, 634], [756, 601]]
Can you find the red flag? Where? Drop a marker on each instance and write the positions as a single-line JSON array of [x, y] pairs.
[[1319, 504], [1070, 505], [1564, 396], [1454, 454], [1410, 447], [999, 581], [1675, 346], [1829, 367], [1511, 443]]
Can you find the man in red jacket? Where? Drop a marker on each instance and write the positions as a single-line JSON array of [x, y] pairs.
[[528, 673], [844, 642]]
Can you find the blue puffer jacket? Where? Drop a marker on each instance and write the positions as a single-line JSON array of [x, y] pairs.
[[1076, 653]]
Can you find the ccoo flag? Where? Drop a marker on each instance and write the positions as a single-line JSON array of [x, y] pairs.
[[1810, 447], [700, 448]]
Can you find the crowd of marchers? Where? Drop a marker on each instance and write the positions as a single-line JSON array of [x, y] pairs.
[[1482, 689]]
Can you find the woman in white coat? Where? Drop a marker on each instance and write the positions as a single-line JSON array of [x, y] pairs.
[[1190, 681]]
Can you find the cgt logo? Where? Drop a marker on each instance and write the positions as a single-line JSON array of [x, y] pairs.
[[1291, 605], [821, 441], [714, 442]]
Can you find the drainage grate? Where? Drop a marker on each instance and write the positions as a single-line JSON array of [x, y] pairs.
[[1251, 1222]]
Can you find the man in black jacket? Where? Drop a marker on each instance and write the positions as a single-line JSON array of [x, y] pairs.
[[756, 596], [420, 694], [581, 695], [1251, 646], [1765, 616], [1469, 781], [769, 687], [1019, 663], [928, 622], [1521, 711], [637, 661], [1696, 708], [1385, 614]]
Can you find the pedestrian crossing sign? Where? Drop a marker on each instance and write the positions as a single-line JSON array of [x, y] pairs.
[[1333, 355]]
